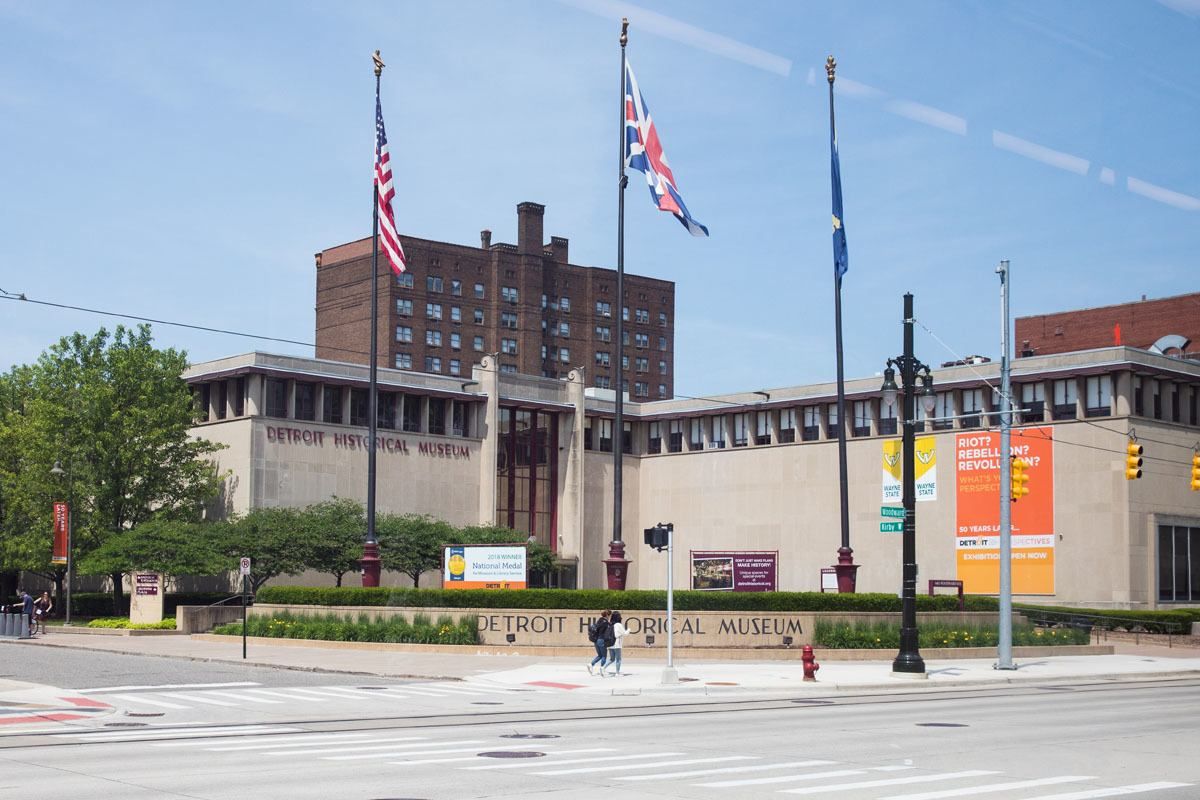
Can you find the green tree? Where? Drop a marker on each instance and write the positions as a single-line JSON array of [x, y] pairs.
[[274, 539], [115, 412], [412, 543], [172, 547], [334, 531], [539, 558]]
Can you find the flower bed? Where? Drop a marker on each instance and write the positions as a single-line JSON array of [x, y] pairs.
[[335, 628], [886, 635], [167, 624]]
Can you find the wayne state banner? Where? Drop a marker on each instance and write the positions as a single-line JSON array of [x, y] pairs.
[[925, 469]]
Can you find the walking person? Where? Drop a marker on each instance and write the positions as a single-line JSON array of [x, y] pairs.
[[27, 606], [619, 632], [42, 608], [598, 633]]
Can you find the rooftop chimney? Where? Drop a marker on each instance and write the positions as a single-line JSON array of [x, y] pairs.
[[485, 239], [529, 228], [558, 249]]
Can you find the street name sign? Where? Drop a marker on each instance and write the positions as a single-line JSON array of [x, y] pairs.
[[891, 527], [891, 511]]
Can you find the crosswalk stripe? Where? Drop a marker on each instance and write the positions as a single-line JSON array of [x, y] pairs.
[[809, 776], [937, 776], [994, 787], [476, 757], [709, 760], [580, 760], [384, 743], [423, 692], [138, 698], [286, 696], [267, 742], [1116, 791], [247, 697], [148, 733], [399, 754], [718, 770], [160, 687], [205, 700]]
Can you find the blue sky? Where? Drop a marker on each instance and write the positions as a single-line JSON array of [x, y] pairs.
[[185, 161]]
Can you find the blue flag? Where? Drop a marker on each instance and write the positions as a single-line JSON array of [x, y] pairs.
[[841, 258]]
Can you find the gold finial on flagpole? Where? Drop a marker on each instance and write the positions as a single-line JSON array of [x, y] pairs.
[[830, 68], [624, 31], [379, 65]]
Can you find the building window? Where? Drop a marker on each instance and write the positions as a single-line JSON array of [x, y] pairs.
[[662, 368], [662, 391], [306, 400], [1099, 395], [403, 360], [625, 338], [565, 304], [741, 425], [461, 422], [1066, 395], [478, 313], [662, 318], [455, 366], [1139, 407], [787, 425], [479, 295], [564, 330], [603, 382], [276, 398], [717, 433], [662, 343], [509, 294], [508, 369], [643, 315], [862, 418], [404, 333], [887, 419], [508, 346], [831, 417], [625, 313], [410, 417], [433, 338], [437, 416], [943, 411], [433, 310], [642, 340], [624, 363], [404, 308], [433, 283], [695, 434], [675, 436], [455, 341], [641, 389], [1193, 415], [1033, 402], [456, 287], [508, 319], [1178, 564], [331, 404], [812, 424], [972, 408], [603, 333], [1156, 397], [564, 355], [239, 399], [385, 411], [433, 364], [455, 314], [606, 427], [358, 407], [603, 309], [641, 364], [404, 280], [654, 438]]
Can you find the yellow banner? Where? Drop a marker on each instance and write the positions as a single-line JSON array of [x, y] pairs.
[[924, 469]]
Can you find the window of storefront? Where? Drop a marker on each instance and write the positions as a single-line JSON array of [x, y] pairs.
[[1178, 564], [862, 418], [1066, 394], [675, 443], [358, 407], [887, 419], [812, 424], [527, 473], [1033, 402], [410, 417], [276, 398], [654, 437], [787, 425], [331, 410], [1099, 395]]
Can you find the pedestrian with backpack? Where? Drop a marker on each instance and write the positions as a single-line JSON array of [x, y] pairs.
[[598, 633], [619, 632]]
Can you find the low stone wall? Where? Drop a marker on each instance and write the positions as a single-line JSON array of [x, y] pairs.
[[198, 619], [693, 629]]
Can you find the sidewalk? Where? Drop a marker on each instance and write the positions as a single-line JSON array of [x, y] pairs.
[[1132, 661]]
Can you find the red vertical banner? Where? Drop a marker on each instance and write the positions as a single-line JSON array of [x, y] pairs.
[[62, 522]]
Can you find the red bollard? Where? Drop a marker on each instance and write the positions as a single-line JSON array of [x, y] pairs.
[[810, 663]]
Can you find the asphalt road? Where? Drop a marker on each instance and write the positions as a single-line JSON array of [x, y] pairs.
[[1059, 743]]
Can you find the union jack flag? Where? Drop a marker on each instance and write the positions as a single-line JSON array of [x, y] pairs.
[[384, 192], [644, 152]]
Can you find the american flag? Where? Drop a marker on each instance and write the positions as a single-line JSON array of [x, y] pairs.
[[384, 191], [644, 152]]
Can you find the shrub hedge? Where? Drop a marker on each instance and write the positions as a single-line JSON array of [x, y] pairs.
[[331, 627], [99, 604], [591, 599], [886, 635], [167, 624], [1174, 621]]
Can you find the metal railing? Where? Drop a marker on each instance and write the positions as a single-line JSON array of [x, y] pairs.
[[1103, 624]]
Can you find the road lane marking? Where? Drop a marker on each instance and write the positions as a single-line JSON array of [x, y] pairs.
[[245, 696], [370, 745], [718, 770], [286, 696], [476, 757], [137, 698], [205, 700], [168, 686], [994, 787], [149, 733], [579, 760], [267, 742], [474, 749], [581, 770], [937, 776], [1090, 794]]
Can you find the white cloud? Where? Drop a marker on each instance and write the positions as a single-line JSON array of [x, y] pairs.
[[1037, 152]]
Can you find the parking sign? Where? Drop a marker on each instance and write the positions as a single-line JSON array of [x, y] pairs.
[[245, 567]]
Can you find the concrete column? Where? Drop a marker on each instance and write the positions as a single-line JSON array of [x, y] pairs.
[[214, 398], [254, 395], [345, 420], [571, 462], [319, 402], [291, 399], [487, 374]]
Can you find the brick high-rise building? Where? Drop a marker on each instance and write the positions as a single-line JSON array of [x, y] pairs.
[[1167, 325], [526, 302]]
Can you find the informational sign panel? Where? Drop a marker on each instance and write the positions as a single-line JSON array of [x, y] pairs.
[[925, 469], [244, 566], [146, 602], [735, 570], [62, 522], [977, 539], [485, 566]]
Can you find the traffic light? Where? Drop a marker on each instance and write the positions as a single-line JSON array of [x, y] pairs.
[[1196, 471], [1019, 479], [1133, 461]]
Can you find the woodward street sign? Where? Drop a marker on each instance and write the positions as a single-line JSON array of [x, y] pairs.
[[891, 527], [891, 511]]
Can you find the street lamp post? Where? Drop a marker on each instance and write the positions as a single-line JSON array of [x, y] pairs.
[[58, 472], [908, 663]]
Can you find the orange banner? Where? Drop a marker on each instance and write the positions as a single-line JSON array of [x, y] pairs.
[[977, 535], [62, 522]]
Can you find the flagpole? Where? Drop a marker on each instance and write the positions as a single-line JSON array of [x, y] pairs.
[[370, 558], [846, 569], [617, 566]]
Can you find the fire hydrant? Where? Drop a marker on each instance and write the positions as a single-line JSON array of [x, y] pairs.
[[810, 663]]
